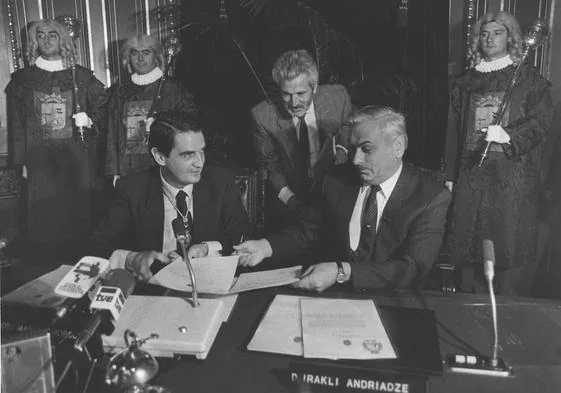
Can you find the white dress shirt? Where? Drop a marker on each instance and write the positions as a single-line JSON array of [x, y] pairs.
[[386, 189]]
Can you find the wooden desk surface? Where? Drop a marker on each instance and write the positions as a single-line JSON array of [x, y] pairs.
[[529, 337]]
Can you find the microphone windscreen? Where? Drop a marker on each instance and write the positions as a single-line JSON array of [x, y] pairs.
[[488, 250], [178, 227]]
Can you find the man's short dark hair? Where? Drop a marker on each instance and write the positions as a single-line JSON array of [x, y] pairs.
[[168, 124]]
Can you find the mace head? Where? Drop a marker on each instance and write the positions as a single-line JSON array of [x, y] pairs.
[[537, 35], [172, 46], [71, 23]]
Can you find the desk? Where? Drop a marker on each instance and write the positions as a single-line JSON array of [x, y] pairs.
[[530, 337]]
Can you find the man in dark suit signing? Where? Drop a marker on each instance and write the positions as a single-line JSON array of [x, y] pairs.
[[296, 135], [381, 229], [138, 231]]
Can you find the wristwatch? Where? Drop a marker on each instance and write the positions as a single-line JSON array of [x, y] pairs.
[[341, 277]]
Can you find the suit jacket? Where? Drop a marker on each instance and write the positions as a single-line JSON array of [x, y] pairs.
[[407, 241], [276, 140], [136, 216]]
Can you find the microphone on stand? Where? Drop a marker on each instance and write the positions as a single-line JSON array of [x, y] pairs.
[[477, 364], [489, 272], [108, 304], [184, 239], [84, 276]]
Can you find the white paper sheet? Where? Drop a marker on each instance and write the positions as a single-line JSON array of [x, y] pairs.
[[266, 279], [280, 331], [41, 291], [212, 274], [344, 329]]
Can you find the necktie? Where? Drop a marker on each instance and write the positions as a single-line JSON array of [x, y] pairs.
[[368, 221], [184, 215], [304, 144]]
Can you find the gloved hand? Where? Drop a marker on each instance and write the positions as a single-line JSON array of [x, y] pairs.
[[149, 122], [496, 134], [81, 119]]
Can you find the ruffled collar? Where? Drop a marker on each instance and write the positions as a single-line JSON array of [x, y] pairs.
[[49, 65], [494, 65], [147, 78]]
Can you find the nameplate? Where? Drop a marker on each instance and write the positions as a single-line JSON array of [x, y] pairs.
[[322, 378]]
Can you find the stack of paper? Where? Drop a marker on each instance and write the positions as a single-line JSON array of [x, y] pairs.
[[323, 328], [216, 275]]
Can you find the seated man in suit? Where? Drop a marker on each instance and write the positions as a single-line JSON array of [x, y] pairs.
[[295, 134], [138, 228], [381, 229]]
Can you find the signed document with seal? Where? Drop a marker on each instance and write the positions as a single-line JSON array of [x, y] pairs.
[[344, 329]]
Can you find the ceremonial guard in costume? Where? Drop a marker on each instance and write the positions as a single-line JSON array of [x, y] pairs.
[[59, 163], [134, 101], [496, 195]]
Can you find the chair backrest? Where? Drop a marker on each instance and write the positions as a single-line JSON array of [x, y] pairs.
[[252, 189]]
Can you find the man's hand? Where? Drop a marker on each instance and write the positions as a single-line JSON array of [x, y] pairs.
[[252, 252], [318, 277], [449, 185], [138, 263], [198, 251], [82, 119], [496, 134]]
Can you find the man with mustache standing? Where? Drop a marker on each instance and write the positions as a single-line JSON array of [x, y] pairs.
[[298, 134], [137, 233], [381, 229]]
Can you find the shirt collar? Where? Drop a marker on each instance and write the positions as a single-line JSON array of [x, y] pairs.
[[494, 65], [49, 65], [388, 185], [147, 78], [170, 191]]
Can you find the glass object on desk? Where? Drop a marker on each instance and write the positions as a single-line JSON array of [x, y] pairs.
[[131, 369], [447, 277]]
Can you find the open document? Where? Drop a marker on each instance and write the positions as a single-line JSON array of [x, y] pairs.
[[217, 275], [344, 329], [323, 328]]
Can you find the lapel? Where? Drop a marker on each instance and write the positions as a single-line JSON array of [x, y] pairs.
[[322, 107], [154, 204], [202, 205], [385, 237], [286, 132]]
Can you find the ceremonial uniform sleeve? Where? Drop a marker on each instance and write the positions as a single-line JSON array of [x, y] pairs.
[[16, 123], [530, 130], [453, 131]]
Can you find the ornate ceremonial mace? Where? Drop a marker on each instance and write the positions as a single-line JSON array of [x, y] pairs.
[[172, 48], [73, 26], [536, 36]]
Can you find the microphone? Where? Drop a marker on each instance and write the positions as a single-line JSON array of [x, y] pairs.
[[184, 239], [78, 282], [476, 364], [108, 304], [488, 259]]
